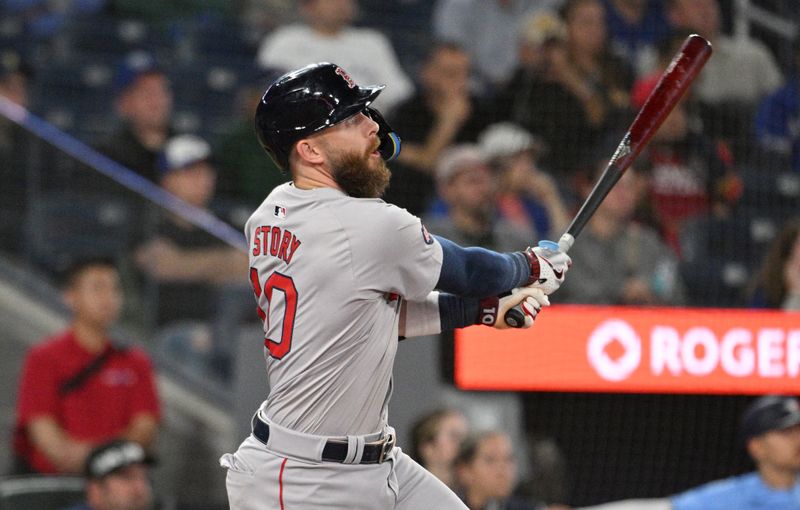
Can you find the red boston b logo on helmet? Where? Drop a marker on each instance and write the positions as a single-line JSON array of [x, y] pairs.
[[346, 77]]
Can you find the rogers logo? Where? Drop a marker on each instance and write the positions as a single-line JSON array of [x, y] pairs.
[[769, 352], [605, 334]]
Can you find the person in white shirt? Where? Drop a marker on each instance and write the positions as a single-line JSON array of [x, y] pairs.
[[328, 35]]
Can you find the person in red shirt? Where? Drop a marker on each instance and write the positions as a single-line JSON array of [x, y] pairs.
[[78, 389]]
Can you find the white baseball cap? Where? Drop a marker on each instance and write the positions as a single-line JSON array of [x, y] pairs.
[[182, 151], [506, 139], [457, 158]]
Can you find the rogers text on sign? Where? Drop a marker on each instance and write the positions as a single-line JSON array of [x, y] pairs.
[[767, 352]]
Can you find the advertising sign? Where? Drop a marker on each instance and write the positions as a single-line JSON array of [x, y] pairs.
[[641, 350]]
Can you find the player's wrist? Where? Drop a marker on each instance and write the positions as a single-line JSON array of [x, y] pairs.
[[488, 308], [534, 265]]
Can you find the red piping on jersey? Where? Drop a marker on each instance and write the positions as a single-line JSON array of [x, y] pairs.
[[280, 482]]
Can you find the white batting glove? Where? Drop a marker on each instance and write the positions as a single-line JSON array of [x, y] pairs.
[[548, 268], [530, 301]]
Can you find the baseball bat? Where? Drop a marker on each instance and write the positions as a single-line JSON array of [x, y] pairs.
[[676, 79]]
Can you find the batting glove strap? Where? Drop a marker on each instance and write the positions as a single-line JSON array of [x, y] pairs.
[[488, 309], [536, 268]]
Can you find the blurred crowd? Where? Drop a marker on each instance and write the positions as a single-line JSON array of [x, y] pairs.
[[508, 109]]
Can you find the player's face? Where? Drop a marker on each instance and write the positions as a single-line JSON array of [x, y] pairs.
[[492, 473], [96, 296], [129, 489], [351, 149], [779, 450]]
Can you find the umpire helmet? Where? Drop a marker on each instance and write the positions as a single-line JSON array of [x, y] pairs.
[[311, 99]]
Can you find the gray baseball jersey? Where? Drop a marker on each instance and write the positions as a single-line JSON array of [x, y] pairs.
[[329, 271]]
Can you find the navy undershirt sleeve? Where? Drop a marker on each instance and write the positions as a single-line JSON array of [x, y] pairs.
[[478, 272], [457, 312]]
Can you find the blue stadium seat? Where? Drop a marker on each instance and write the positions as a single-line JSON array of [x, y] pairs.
[[63, 227], [40, 492]]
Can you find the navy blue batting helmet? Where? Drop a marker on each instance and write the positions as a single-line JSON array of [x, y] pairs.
[[310, 99]]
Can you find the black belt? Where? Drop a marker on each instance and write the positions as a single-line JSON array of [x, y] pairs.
[[336, 451]]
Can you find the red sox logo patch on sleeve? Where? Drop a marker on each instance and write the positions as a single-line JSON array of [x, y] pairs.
[[346, 77]]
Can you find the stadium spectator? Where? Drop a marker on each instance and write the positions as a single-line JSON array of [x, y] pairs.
[[527, 195], [144, 104], [78, 388], [488, 31], [486, 470], [435, 440], [468, 216], [117, 478], [567, 86], [740, 74], [592, 73], [441, 113], [777, 284], [189, 266], [623, 262], [328, 35], [778, 116], [467, 187], [15, 76], [635, 28], [689, 174], [244, 175], [770, 432]]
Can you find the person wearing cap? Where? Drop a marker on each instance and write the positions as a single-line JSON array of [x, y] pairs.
[[339, 275], [770, 432], [79, 388], [466, 185], [187, 264], [527, 194], [144, 105], [117, 478]]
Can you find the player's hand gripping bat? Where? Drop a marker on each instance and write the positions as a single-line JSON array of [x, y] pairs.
[[680, 73]]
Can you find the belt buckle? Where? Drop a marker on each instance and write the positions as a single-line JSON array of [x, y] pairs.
[[386, 448]]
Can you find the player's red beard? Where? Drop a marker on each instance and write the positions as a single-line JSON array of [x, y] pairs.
[[360, 175]]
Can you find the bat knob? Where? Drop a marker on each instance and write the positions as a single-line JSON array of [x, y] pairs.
[[514, 317]]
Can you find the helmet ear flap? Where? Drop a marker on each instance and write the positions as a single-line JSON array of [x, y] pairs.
[[390, 141]]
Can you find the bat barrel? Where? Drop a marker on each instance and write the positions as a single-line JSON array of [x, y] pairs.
[[674, 82]]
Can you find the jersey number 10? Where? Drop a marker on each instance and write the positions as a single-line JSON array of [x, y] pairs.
[[285, 284]]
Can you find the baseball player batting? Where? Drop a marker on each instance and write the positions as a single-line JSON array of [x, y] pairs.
[[340, 276]]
